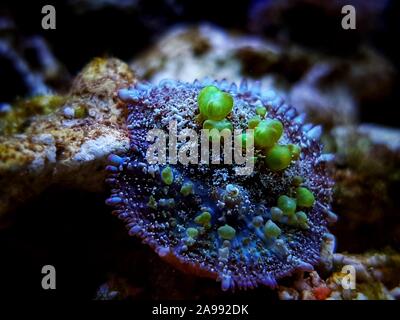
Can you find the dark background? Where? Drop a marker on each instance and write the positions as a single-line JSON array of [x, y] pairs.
[[125, 31], [79, 236]]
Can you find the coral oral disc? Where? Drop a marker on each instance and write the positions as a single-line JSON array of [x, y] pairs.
[[242, 230]]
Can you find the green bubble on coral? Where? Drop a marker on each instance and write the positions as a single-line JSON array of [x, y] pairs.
[[305, 198], [205, 95], [271, 230], [257, 221], [203, 219], [192, 232], [226, 232], [292, 220], [297, 180], [265, 137], [253, 122], [274, 124], [287, 204], [261, 111], [278, 158], [214, 135], [186, 189], [267, 133], [276, 214], [214, 104], [218, 124], [302, 219], [295, 151], [167, 175]]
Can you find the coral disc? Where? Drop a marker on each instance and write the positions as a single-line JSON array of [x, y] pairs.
[[205, 218]]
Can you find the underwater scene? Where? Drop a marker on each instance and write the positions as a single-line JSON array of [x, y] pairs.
[[199, 150]]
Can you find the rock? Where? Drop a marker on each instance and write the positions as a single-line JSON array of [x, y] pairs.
[[334, 91], [186, 53], [378, 135], [376, 278], [327, 87], [368, 74], [331, 105], [376, 274], [367, 179], [69, 146]]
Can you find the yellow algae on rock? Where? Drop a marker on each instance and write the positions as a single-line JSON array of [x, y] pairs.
[[63, 140]]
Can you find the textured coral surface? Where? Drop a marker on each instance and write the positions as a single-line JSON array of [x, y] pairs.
[[225, 212]]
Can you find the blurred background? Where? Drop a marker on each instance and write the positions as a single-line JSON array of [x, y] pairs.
[[282, 39], [345, 80]]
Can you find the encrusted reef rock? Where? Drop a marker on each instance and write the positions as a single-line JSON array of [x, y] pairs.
[[185, 53], [52, 140], [375, 278], [367, 181], [329, 105]]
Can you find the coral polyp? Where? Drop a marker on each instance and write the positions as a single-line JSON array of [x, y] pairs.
[[242, 230]]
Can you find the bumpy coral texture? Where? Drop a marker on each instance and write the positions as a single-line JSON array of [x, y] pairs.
[[207, 220]]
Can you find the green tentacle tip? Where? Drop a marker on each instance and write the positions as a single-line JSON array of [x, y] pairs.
[[167, 175], [305, 198], [278, 158], [226, 232], [271, 230], [192, 232], [261, 111], [302, 219], [267, 133], [265, 137], [186, 189], [253, 122], [295, 151], [274, 124], [257, 221], [297, 180], [214, 104], [276, 214], [203, 219], [218, 124], [287, 205]]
